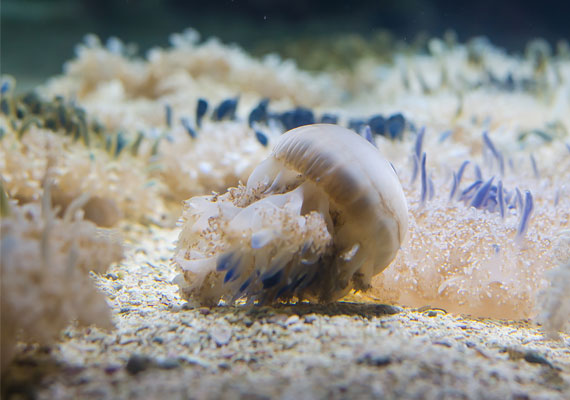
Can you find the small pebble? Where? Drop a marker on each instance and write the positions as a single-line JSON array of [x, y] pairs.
[[224, 366], [168, 363], [375, 360], [174, 308], [293, 319], [137, 363], [221, 336], [532, 356], [278, 319]]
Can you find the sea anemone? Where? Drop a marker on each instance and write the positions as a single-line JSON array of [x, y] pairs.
[[320, 216]]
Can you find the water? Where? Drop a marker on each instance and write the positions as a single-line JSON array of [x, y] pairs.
[[39, 35]]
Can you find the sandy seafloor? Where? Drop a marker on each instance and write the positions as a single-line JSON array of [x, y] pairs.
[[164, 348]]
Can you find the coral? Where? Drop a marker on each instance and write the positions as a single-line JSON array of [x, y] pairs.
[[117, 188], [45, 264], [322, 215], [178, 75], [478, 244], [221, 154], [131, 95]]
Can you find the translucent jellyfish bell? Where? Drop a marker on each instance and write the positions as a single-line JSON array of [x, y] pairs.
[[320, 216]]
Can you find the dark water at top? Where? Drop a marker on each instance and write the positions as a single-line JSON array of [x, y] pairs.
[[37, 36]]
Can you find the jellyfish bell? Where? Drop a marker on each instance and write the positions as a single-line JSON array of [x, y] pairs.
[[320, 216]]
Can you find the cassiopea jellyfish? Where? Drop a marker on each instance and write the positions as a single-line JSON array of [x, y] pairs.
[[319, 217]]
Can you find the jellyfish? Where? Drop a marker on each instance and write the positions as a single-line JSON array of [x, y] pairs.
[[322, 215]]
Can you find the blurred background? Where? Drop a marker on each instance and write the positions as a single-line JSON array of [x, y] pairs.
[[37, 36]]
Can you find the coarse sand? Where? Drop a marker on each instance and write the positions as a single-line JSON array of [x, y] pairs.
[[165, 348]]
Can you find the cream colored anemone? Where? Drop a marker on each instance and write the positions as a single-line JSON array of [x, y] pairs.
[[319, 217]]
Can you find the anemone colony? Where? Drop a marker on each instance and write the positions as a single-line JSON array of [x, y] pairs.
[[478, 139]]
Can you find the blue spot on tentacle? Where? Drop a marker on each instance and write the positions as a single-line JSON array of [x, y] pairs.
[[453, 187], [5, 87], [498, 156], [461, 171], [377, 124], [419, 142], [500, 199], [186, 124], [396, 124], [518, 199], [272, 280], [356, 124], [201, 109], [490, 204], [423, 178], [534, 167], [478, 174], [121, 143], [226, 109], [527, 211], [415, 168], [245, 285], [259, 113], [261, 138], [230, 275], [297, 117], [224, 262], [444, 136], [490, 144], [168, 115], [467, 193], [329, 119], [283, 290], [367, 134], [431, 189], [481, 195]]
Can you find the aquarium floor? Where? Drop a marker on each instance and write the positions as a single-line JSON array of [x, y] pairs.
[[164, 348]]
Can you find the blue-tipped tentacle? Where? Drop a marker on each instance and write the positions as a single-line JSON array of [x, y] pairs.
[[201, 109], [419, 142], [468, 193], [526, 213], [500, 199], [482, 193], [423, 178], [534, 167], [454, 185]]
